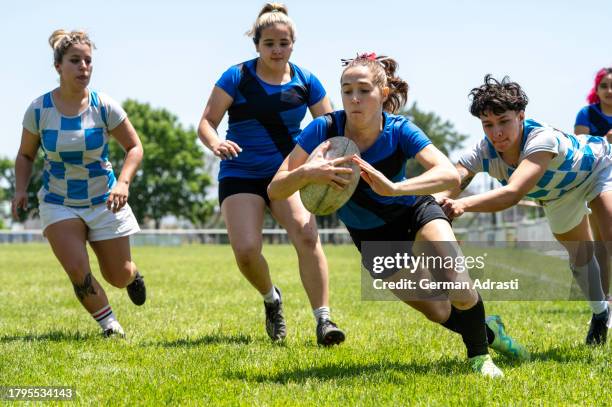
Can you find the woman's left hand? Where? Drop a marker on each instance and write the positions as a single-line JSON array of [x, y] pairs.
[[375, 179], [118, 196]]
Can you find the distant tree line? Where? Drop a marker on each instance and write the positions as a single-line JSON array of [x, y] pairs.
[[171, 180], [174, 173]]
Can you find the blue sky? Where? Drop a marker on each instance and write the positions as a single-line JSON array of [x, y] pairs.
[[170, 53]]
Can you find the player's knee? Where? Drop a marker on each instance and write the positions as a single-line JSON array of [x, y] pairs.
[[247, 253], [121, 277], [438, 314], [307, 238], [463, 299]]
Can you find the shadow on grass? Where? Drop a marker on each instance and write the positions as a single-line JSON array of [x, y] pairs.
[[54, 336], [388, 371], [564, 354], [210, 339], [565, 311]]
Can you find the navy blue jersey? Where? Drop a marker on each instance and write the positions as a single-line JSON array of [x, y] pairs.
[[399, 141], [264, 119], [598, 122]]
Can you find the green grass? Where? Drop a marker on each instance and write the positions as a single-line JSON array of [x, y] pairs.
[[200, 339]]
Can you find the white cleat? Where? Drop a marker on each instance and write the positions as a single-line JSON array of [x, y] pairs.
[[484, 365]]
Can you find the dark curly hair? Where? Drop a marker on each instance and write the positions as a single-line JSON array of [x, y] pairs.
[[497, 97]]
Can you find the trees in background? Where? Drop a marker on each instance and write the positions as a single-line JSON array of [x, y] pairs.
[[172, 177], [7, 184], [174, 174], [441, 132]]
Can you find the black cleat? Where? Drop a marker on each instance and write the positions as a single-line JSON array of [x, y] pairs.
[[328, 333], [598, 329], [275, 321], [137, 291]]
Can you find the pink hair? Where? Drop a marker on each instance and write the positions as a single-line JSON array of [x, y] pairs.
[[593, 98]]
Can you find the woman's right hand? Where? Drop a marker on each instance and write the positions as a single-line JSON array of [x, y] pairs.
[[20, 201], [453, 208], [226, 150], [320, 170]]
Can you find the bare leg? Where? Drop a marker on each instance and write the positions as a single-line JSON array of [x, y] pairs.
[[601, 224], [243, 215], [302, 230], [115, 261], [68, 242], [436, 238]]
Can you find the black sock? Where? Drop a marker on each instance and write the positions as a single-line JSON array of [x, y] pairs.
[[453, 322], [473, 330], [490, 334]]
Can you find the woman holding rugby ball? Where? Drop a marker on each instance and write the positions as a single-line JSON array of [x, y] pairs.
[[386, 206]]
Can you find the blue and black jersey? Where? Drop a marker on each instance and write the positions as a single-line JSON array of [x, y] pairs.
[[598, 122], [399, 141], [264, 119]]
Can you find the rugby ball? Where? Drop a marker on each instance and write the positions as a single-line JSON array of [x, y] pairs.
[[322, 199]]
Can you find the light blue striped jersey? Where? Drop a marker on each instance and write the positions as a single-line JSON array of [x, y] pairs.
[[575, 159], [77, 172]]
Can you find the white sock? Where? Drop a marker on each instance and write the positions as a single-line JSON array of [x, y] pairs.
[[105, 317], [321, 313], [587, 278], [271, 296]]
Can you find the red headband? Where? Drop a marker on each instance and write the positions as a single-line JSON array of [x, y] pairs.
[[370, 56]]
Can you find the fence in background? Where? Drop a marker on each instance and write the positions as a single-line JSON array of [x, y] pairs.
[[526, 231], [176, 237]]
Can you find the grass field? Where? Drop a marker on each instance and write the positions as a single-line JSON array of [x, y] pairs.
[[199, 339]]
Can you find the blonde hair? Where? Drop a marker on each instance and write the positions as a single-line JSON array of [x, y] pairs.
[[60, 40], [271, 13], [383, 69]]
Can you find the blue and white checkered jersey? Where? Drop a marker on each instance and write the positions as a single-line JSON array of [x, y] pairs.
[[575, 159], [77, 172]]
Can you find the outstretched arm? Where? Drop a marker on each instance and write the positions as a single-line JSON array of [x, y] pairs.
[[528, 173], [439, 175], [465, 178]]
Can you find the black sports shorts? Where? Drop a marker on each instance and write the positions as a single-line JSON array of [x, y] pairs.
[[232, 185], [424, 210], [404, 229]]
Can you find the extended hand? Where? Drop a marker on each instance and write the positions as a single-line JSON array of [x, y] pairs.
[[452, 208], [375, 179]]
